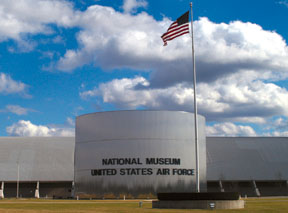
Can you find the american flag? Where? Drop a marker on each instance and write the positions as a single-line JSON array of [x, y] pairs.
[[177, 28]]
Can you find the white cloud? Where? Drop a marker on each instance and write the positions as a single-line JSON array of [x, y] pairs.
[[243, 97], [285, 3], [278, 133], [26, 128], [18, 110], [277, 127], [32, 15], [236, 62], [70, 122], [229, 129], [58, 39], [108, 37], [251, 119], [124, 94], [77, 110], [230, 98], [132, 5], [281, 122], [10, 86], [21, 18], [112, 39], [118, 40]]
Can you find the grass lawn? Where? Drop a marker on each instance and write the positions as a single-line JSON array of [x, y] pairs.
[[43, 206]]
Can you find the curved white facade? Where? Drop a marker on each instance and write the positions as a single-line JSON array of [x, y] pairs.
[[138, 152]]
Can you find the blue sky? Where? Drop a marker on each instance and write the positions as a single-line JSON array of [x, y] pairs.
[[60, 59]]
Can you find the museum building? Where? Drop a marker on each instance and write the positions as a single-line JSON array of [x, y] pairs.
[[137, 154]]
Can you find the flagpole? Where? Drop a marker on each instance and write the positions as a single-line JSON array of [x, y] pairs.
[[195, 107]]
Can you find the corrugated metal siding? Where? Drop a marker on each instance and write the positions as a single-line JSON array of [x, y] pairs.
[[228, 158], [40, 158], [247, 158]]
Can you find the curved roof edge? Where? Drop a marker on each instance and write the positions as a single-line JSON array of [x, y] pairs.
[[115, 111]]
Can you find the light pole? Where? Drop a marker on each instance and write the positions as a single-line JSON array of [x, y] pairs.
[[17, 194]]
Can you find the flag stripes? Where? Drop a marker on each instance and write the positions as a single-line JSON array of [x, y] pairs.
[[177, 28]]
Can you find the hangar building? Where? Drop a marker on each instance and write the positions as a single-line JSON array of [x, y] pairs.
[[254, 166], [30, 161], [233, 163]]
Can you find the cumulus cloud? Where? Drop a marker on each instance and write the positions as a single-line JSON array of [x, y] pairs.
[[115, 40], [121, 92], [10, 86], [26, 128], [132, 5], [119, 40], [20, 17], [124, 93], [108, 37], [229, 129], [237, 63], [240, 97], [234, 98], [277, 127]]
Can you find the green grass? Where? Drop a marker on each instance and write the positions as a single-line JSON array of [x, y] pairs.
[[45, 206]]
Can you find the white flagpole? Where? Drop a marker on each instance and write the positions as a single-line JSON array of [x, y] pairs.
[[195, 108]]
